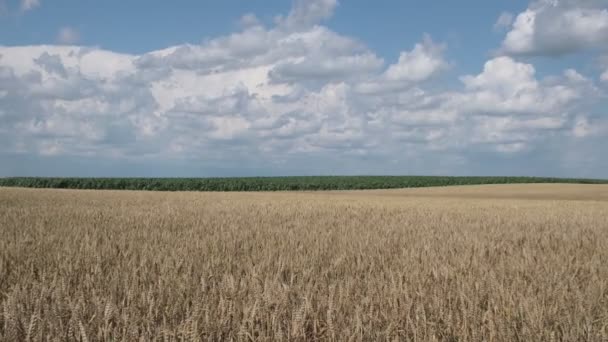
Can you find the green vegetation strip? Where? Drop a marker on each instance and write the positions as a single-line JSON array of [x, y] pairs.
[[274, 183]]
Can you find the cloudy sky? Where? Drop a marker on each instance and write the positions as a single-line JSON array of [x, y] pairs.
[[268, 87]]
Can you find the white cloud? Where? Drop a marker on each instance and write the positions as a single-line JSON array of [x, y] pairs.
[[306, 13], [68, 35], [324, 68], [424, 61], [417, 65], [504, 21], [506, 86], [555, 27], [276, 94], [27, 5], [511, 109], [503, 75]]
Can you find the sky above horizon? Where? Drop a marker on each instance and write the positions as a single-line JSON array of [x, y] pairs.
[[318, 87]]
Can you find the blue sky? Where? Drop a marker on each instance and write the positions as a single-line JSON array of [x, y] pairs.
[[241, 88]]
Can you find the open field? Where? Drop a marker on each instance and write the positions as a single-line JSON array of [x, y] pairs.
[[480, 263], [498, 191]]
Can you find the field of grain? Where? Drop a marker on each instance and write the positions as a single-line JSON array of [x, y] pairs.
[[480, 263]]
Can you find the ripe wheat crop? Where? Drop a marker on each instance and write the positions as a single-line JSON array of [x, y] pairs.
[[487, 263]]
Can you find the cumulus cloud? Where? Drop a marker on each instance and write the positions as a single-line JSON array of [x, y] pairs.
[[511, 109], [64, 98], [295, 91], [424, 61], [419, 64], [509, 87], [306, 13], [322, 68], [68, 35], [556, 27]]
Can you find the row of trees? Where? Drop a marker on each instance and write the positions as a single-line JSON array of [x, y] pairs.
[[272, 183]]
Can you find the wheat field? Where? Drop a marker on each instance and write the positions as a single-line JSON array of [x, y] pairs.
[[472, 263]]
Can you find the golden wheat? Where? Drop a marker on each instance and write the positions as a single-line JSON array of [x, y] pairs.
[[486, 263]]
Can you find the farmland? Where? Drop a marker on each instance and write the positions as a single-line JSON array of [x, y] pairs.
[[523, 262], [275, 183]]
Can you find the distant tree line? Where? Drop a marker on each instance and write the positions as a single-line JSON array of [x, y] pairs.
[[273, 183]]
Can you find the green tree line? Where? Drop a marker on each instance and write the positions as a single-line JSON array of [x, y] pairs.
[[273, 183]]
